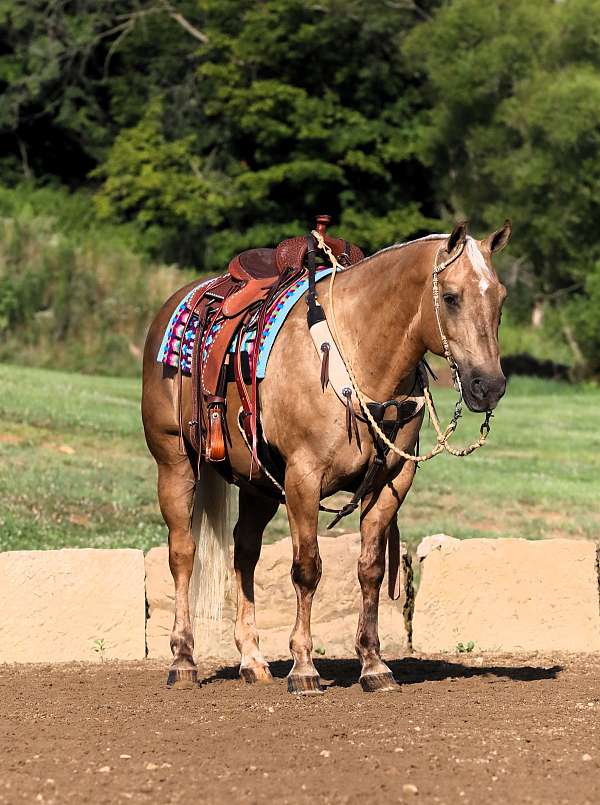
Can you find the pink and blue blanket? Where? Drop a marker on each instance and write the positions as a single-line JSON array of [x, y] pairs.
[[171, 345]]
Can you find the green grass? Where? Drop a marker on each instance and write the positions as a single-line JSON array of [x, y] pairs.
[[74, 469]]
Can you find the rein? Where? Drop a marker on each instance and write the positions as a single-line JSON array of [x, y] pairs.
[[442, 436]]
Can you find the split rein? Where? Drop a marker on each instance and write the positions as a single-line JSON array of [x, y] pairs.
[[442, 436]]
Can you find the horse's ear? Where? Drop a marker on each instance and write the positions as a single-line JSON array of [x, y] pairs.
[[498, 239], [457, 238]]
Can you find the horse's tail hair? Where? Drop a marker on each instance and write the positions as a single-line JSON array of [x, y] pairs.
[[212, 532]]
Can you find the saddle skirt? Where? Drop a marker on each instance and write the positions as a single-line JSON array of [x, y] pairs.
[[177, 354]]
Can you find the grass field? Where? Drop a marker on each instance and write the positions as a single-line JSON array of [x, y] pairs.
[[74, 470]]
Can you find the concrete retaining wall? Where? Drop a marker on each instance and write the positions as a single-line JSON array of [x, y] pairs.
[[503, 595], [72, 604], [509, 595]]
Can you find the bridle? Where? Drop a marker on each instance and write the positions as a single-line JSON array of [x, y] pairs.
[[442, 436], [435, 289], [437, 270]]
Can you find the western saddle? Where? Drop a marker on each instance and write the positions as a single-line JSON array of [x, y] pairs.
[[225, 306]]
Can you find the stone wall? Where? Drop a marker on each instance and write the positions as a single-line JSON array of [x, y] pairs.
[[335, 608], [501, 595], [510, 595], [72, 604]]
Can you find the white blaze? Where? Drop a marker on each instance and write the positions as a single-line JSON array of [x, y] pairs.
[[479, 265]]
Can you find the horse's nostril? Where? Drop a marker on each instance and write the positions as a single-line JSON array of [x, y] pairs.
[[479, 388]]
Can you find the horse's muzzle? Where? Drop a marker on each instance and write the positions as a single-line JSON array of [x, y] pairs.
[[483, 392]]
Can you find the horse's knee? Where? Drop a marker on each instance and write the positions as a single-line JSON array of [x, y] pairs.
[[182, 550], [306, 570], [371, 572], [181, 541]]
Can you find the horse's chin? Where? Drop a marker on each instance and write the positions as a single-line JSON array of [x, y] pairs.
[[478, 406]]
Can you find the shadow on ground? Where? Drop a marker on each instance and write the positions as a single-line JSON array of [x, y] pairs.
[[408, 671]]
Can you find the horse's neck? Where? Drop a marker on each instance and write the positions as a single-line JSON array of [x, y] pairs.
[[379, 307]]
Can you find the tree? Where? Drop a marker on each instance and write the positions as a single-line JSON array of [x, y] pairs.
[[68, 82], [512, 126], [292, 108]]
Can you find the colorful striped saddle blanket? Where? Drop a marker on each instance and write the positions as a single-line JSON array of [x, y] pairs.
[[171, 347]]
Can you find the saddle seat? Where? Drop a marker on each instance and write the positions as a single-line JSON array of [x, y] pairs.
[[254, 264]]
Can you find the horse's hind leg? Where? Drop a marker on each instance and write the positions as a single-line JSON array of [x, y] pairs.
[[302, 491], [377, 519], [176, 488], [255, 511]]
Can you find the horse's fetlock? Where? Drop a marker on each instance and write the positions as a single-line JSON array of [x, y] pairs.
[[182, 645]]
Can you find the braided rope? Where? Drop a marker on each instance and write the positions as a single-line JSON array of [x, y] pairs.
[[442, 436]]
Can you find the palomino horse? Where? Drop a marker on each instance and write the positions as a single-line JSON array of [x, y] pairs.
[[386, 320]]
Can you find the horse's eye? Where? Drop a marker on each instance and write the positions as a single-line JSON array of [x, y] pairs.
[[451, 299]]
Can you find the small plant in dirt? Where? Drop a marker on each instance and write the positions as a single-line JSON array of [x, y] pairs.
[[465, 648], [320, 650], [100, 648]]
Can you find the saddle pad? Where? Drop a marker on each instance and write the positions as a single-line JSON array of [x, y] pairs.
[[171, 346]]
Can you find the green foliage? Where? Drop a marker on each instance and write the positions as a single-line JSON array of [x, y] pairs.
[[78, 299], [49, 83], [583, 311], [67, 77], [511, 122], [161, 185], [545, 342], [99, 646], [71, 213], [295, 108]]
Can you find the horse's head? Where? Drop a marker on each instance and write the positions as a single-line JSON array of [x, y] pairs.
[[470, 303]]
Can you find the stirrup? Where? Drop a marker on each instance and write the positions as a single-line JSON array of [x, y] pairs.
[[215, 435]]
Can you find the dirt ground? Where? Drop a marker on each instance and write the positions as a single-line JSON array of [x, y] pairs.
[[470, 730]]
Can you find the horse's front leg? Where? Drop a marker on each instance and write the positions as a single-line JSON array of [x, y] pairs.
[[302, 494], [378, 516], [255, 511]]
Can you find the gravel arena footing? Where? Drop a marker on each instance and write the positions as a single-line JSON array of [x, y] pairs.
[[460, 730]]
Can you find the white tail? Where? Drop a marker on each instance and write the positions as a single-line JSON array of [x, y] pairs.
[[212, 532]]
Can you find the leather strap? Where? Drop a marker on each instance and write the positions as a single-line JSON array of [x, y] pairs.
[[315, 311], [337, 374], [246, 413], [204, 291], [368, 482]]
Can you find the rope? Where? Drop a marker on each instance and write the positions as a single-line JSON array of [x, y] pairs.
[[443, 436]]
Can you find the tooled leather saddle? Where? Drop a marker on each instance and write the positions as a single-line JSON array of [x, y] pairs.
[[224, 306]]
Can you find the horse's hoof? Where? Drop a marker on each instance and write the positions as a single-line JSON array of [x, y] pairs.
[[305, 685], [253, 675], [182, 678], [375, 683]]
